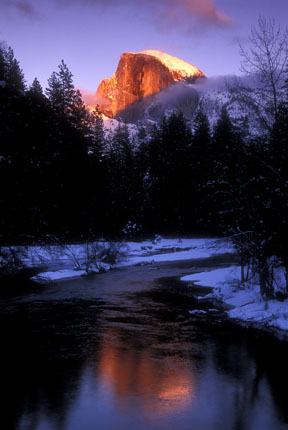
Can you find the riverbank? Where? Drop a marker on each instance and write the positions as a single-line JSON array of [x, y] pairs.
[[71, 261], [247, 305], [61, 263]]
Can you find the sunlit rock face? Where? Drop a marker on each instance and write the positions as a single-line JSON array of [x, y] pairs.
[[140, 76]]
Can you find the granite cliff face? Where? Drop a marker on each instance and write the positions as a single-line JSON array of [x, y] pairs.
[[139, 76]]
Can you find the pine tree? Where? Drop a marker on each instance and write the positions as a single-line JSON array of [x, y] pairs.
[[285, 86], [141, 179], [2, 62], [201, 127], [65, 79], [54, 92], [223, 179], [36, 90], [37, 100], [65, 100], [10, 70], [279, 141], [97, 135], [61, 91], [169, 172], [142, 152], [14, 75], [79, 116], [223, 133], [120, 165], [201, 141], [201, 165]]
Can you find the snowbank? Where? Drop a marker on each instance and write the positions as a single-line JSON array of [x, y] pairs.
[[58, 274], [61, 274], [248, 305], [130, 253], [162, 250], [72, 257]]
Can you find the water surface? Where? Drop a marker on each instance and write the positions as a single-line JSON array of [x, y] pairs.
[[120, 351]]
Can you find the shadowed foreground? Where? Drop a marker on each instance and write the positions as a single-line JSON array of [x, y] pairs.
[[120, 350]]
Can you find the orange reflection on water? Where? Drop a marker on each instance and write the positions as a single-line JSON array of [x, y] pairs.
[[160, 384]]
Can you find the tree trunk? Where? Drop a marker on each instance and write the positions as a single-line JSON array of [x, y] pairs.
[[247, 273], [242, 273], [265, 279]]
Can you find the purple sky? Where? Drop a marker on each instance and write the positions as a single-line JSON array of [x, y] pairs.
[[90, 35]]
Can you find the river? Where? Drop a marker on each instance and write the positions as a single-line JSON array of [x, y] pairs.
[[120, 351]]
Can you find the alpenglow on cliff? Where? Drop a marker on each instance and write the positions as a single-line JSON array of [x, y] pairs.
[[141, 75]]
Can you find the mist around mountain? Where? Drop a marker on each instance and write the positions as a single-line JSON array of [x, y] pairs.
[[240, 95]]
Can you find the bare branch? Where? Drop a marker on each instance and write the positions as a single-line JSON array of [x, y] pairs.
[[266, 61]]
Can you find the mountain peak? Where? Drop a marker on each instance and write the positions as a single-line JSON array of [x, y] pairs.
[[141, 75]]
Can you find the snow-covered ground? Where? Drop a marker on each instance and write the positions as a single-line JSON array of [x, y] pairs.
[[72, 258], [59, 274], [248, 306], [173, 250]]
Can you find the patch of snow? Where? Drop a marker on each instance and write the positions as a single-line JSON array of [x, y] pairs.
[[149, 252], [174, 63], [58, 274], [280, 322], [214, 98], [248, 305], [213, 278], [197, 311], [69, 273], [110, 125]]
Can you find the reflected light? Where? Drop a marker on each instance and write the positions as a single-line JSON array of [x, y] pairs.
[[163, 385]]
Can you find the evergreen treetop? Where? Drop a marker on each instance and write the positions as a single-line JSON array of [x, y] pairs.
[[10, 70]]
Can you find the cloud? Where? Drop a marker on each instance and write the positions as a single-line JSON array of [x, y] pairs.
[[91, 99], [169, 14], [22, 6], [204, 12], [219, 83]]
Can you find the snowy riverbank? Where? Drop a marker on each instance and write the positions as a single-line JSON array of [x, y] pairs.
[[71, 259], [248, 305]]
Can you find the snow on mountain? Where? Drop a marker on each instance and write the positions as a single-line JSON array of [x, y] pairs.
[[213, 101], [218, 92], [173, 63], [110, 125], [211, 94], [182, 98]]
